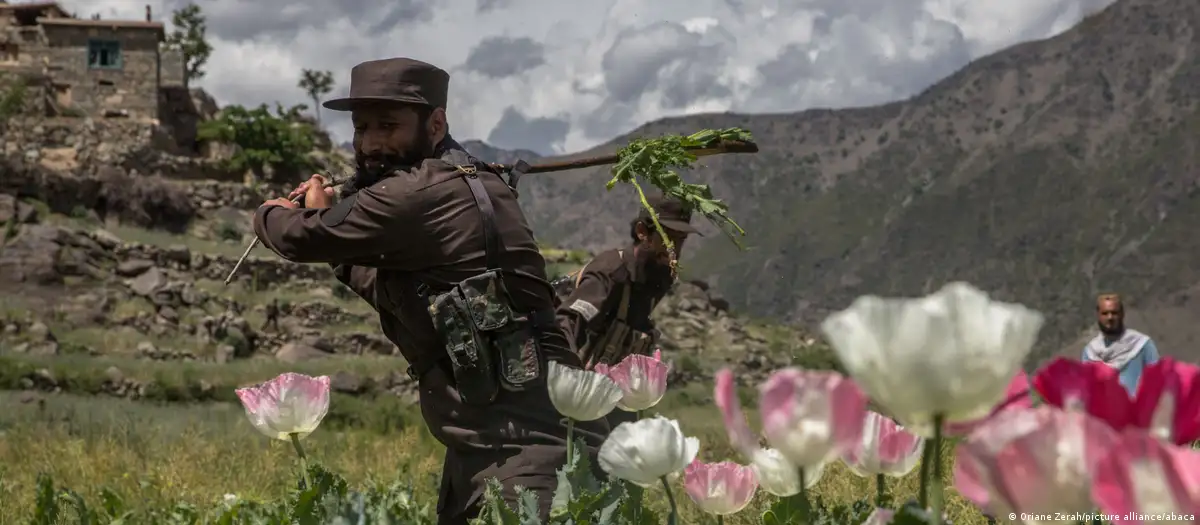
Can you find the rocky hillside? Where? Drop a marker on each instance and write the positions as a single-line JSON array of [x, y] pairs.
[[1045, 173]]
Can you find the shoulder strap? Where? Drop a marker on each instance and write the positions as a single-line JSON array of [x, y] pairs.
[[493, 245], [623, 309]]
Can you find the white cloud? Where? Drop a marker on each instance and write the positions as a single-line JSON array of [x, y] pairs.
[[607, 66]]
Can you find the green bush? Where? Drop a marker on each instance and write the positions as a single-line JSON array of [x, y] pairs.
[[12, 100], [280, 141]]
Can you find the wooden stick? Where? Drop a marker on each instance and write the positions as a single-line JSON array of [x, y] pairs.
[[299, 198], [728, 146]]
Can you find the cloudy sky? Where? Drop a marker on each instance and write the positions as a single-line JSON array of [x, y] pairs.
[[564, 75]]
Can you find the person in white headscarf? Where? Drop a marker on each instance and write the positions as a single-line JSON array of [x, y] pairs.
[[1125, 349]]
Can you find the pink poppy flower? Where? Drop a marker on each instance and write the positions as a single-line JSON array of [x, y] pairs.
[[289, 404], [1168, 401], [885, 448], [719, 488], [1091, 386], [643, 380], [725, 396], [1035, 461], [775, 474], [811, 417], [1143, 476], [1017, 397]]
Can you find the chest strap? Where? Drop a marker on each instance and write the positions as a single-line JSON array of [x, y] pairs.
[[493, 245], [623, 308]]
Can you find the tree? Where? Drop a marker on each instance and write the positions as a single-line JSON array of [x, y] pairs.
[[317, 84], [188, 36], [280, 141]]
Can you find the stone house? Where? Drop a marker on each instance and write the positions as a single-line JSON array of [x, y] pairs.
[[74, 67]]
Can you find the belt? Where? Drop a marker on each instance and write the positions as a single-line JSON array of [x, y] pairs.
[[539, 320]]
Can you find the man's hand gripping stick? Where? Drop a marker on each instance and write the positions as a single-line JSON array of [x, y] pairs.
[[332, 182]]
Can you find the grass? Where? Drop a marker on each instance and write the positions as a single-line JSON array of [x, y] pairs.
[[157, 454], [85, 375]]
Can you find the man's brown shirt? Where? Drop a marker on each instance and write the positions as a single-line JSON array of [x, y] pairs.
[[588, 310]]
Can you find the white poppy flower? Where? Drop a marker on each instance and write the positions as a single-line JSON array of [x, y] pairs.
[[963, 347], [580, 394], [291, 404], [780, 477], [645, 451]]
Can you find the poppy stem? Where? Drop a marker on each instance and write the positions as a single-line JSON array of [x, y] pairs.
[[880, 489], [303, 460], [938, 493], [926, 458], [720, 519], [673, 519], [803, 494], [570, 438]]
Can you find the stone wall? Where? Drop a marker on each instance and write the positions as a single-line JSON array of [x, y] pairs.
[[27, 41], [210, 194], [130, 89], [148, 202], [171, 68], [87, 145], [18, 64], [182, 110]]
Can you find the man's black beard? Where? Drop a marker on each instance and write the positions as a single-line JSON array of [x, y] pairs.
[[1114, 331], [657, 274], [373, 168]]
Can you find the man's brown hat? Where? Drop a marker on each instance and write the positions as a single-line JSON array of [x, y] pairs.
[[395, 79], [672, 214]]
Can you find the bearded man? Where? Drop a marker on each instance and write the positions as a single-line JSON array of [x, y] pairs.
[[1125, 349], [607, 316], [434, 240]]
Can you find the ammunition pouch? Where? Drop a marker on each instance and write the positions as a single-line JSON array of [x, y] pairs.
[[490, 346]]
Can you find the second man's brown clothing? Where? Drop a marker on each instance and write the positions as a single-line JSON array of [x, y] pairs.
[[587, 312]]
